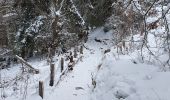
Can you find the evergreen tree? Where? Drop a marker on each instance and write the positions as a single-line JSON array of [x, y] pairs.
[[29, 25]]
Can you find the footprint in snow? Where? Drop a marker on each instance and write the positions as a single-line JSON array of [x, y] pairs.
[[79, 88], [75, 94], [121, 94]]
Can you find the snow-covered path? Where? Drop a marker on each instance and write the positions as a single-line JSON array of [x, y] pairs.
[[79, 77], [77, 84]]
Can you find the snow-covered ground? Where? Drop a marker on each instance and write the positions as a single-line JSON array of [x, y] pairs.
[[117, 76], [122, 78], [75, 85]]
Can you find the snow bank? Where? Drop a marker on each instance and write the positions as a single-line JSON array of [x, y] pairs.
[[124, 79]]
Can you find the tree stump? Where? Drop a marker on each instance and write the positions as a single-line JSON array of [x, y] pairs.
[[70, 53], [52, 68], [71, 59], [62, 64], [75, 53], [81, 50], [41, 89]]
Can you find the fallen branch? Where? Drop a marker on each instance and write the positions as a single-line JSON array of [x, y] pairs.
[[27, 64]]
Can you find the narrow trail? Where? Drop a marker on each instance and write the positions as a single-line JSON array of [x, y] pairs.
[[77, 83]]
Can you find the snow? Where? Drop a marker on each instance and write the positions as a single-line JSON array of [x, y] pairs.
[[58, 13], [80, 76], [118, 76], [34, 27], [138, 81], [9, 14], [77, 12]]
